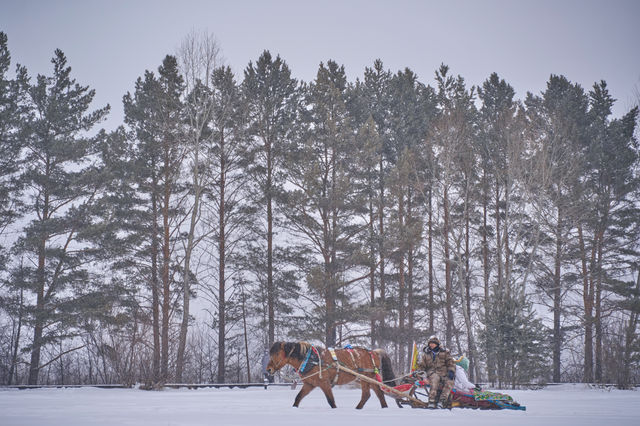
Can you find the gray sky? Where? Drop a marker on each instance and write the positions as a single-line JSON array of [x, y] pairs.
[[109, 43]]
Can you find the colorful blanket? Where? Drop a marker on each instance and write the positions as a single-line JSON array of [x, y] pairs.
[[485, 400]]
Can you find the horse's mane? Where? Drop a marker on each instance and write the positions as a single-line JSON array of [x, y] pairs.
[[296, 350]]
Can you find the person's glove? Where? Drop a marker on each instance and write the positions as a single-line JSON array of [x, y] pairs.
[[451, 375]]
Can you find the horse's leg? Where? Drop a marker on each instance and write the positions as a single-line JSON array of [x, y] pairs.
[[365, 394], [306, 388], [326, 388], [380, 395]]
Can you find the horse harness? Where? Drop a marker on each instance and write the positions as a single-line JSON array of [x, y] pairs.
[[313, 359]]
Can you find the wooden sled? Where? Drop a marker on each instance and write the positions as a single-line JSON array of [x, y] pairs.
[[405, 394]]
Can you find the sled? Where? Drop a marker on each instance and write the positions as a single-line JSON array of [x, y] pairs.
[[477, 399], [408, 394]]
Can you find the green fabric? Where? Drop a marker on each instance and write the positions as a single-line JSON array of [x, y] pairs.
[[491, 396]]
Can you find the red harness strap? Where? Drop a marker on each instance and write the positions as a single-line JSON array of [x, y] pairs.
[[375, 367]]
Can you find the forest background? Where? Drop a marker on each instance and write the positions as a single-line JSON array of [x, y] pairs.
[[231, 209]]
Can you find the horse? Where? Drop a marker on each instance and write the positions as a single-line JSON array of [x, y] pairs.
[[318, 367]]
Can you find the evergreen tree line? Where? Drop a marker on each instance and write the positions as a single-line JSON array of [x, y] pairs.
[[226, 213]]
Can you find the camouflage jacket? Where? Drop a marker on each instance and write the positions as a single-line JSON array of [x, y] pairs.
[[440, 362]]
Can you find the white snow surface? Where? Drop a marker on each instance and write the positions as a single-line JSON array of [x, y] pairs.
[[559, 405]]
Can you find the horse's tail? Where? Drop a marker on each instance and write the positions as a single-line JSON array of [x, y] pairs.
[[388, 377]]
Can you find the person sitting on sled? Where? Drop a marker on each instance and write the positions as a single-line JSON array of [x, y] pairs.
[[439, 367]]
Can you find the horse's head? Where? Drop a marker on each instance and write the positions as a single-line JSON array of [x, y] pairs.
[[278, 356]]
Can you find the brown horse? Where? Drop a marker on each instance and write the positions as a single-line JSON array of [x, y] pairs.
[[317, 367]]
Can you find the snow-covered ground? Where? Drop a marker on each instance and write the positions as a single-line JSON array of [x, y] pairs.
[[562, 405]]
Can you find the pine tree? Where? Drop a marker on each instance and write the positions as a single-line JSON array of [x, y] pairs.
[[608, 207], [558, 120], [154, 114], [64, 184], [171, 86], [322, 201], [272, 98], [141, 119], [630, 303], [366, 178], [409, 118], [516, 339], [452, 134], [117, 341], [223, 201], [12, 111], [372, 102], [509, 190]]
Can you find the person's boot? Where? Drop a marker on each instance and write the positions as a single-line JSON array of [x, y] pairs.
[[447, 403], [432, 404]]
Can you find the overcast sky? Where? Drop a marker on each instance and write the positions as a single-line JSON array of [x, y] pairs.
[[109, 43]]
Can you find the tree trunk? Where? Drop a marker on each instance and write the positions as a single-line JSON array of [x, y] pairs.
[[587, 298], [330, 328], [499, 241], [381, 237], [430, 259], [38, 328], [400, 337], [329, 301], [166, 294], [333, 288], [630, 336], [372, 272], [557, 293], [507, 248], [448, 285], [486, 268], [16, 342], [467, 285], [598, 317], [246, 336], [410, 267], [221, 267], [186, 282], [270, 286], [155, 285], [39, 314], [34, 367]]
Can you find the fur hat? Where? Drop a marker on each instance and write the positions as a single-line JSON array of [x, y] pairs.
[[433, 339]]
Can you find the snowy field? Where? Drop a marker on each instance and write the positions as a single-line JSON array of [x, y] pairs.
[[562, 405]]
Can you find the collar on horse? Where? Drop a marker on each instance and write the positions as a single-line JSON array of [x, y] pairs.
[[309, 362]]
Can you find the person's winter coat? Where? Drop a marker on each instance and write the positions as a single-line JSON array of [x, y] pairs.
[[438, 361]]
